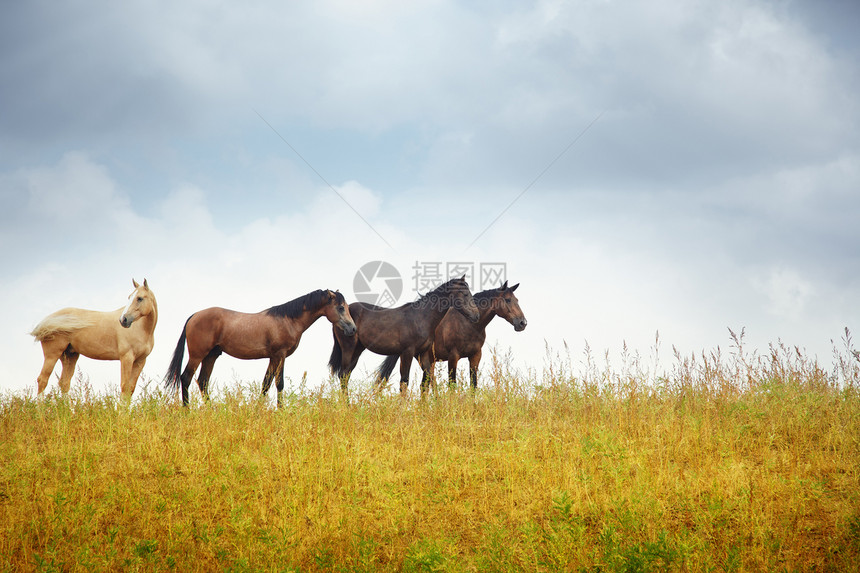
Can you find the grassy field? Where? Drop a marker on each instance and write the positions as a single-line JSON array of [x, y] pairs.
[[721, 463]]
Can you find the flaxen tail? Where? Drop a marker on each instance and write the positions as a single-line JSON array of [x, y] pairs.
[[61, 322], [174, 371]]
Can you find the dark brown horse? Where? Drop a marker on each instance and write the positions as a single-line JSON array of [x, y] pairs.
[[273, 333], [405, 332], [457, 338]]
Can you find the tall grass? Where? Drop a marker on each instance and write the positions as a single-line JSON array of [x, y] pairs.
[[736, 462]]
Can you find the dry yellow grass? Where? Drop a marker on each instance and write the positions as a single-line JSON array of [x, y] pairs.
[[738, 464]]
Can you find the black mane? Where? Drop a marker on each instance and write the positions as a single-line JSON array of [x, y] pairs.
[[489, 293], [484, 299], [441, 292], [453, 284], [295, 308]]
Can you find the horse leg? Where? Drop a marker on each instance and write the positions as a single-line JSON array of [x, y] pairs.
[[279, 380], [52, 349], [452, 369], [427, 374], [206, 371], [129, 373], [405, 365], [45, 374], [271, 370], [136, 369], [354, 353], [187, 375], [474, 360], [126, 365], [69, 359]]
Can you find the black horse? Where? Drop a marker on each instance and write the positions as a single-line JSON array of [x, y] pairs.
[[406, 331], [458, 338]]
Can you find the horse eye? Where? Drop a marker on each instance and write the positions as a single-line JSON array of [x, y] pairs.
[[140, 299], [507, 300]]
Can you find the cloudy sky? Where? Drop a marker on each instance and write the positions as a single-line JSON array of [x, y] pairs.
[[673, 166]]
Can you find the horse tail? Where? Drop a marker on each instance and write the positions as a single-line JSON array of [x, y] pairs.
[[335, 362], [387, 367], [61, 322], [174, 371]]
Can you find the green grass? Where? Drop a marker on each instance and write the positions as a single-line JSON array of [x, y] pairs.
[[738, 463]]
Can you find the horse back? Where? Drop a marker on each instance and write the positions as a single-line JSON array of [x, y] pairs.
[[92, 333], [390, 330], [243, 335]]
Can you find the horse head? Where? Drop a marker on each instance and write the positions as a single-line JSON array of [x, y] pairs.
[[337, 312], [506, 305], [141, 302]]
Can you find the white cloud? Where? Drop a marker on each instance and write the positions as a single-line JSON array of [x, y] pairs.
[[75, 199], [359, 198], [786, 291], [76, 187]]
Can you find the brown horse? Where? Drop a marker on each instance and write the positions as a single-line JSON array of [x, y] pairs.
[[273, 333], [406, 331], [125, 334], [458, 338]]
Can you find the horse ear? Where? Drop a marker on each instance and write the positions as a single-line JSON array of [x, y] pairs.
[[464, 276], [504, 285], [513, 288], [145, 284], [134, 282]]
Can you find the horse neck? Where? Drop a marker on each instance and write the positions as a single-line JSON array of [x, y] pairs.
[[307, 318], [486, 312], [150, 319], [485, 316]]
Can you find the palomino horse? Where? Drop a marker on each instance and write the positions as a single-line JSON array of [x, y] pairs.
[[406, 331], [273, 333], [125, 334], [458, 338]]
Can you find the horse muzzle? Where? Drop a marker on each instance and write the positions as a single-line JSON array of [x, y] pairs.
[[347, 328], [125, 321], [520, 325]]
